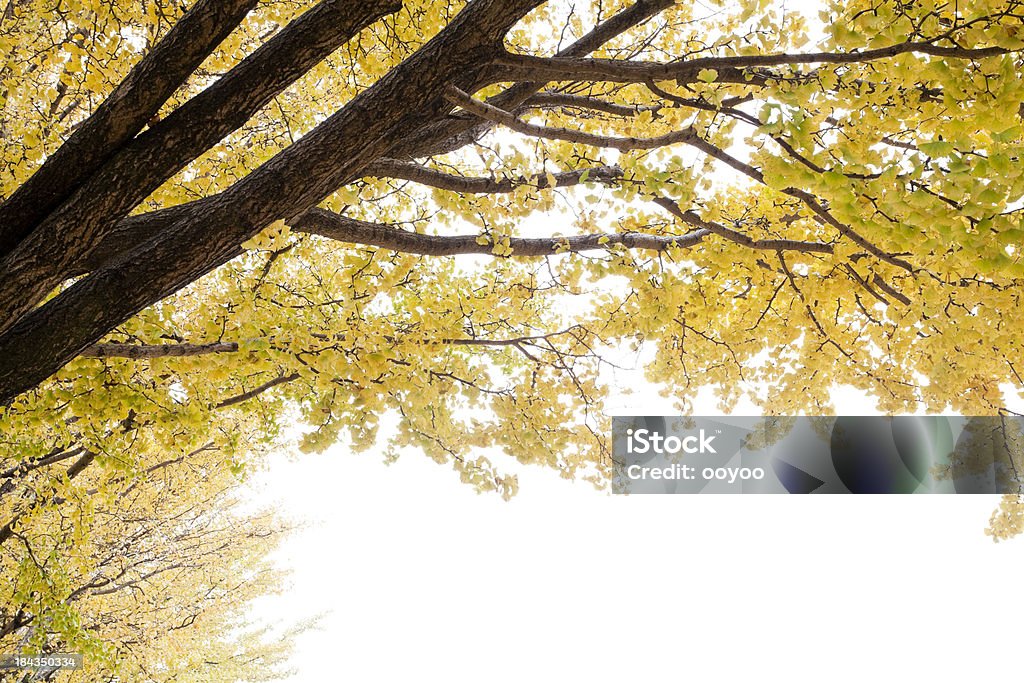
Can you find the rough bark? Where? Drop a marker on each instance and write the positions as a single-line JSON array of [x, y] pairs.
[[343, 229], [136, 351], [730, 69], [42, 260], [294, 181], [427, 139], [403, 170], [121, 116], [453, 133]]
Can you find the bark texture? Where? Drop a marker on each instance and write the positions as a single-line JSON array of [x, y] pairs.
[[334, 153]]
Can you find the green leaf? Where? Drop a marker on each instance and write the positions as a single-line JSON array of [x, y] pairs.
[[707, 75], [939, 148]]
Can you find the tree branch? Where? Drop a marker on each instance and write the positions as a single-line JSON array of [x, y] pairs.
[[496, 115], [730, 69], [403, 170], [567, 101], [688, 136], [38, 265], [121, 116], [331, 155], [741, 238], [806, 197], [253, 393], [343, 229], [426, 140], [76, 468], [527, 67], [446, 136], [57, 455], [137, 351]]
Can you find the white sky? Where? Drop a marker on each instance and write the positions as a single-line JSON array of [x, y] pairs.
[[426, 580], [423, 579]]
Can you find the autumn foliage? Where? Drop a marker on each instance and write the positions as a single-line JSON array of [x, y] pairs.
[[221, 222]]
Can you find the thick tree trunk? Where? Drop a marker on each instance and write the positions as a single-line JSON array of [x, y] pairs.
[[132, 104], [43, 259], [294, 181], [433, 137]]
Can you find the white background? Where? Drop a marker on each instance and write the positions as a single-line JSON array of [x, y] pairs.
[[424, 579]]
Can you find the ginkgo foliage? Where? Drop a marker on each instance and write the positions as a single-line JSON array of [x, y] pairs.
[[224, 217]]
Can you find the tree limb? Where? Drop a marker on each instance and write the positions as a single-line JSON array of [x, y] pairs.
[[343, 229], [331, 155], [741, 238], [568, 101], [734, 69], [403, 170], [43, 260], [122, 115], [137, 351], [253, 393], [453, 133], [509, 120]]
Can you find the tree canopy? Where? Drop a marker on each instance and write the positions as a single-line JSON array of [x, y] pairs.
[[223, 217]]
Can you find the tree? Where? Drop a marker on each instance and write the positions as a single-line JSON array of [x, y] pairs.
[[217, 215], [147, 574]]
